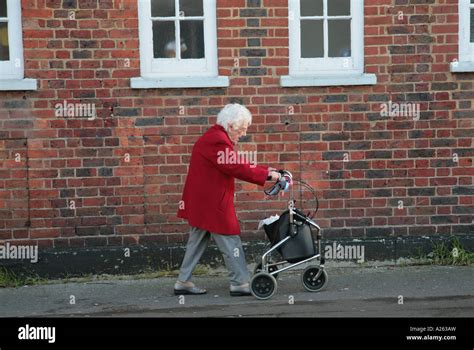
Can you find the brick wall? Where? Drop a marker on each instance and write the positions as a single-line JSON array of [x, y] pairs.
[[117, 180]]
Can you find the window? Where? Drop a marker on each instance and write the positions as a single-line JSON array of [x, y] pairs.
[[326, 39], [465, 63], [11, 48], [178, 45]]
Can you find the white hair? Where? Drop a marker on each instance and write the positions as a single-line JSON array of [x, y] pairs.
[[234, 114]]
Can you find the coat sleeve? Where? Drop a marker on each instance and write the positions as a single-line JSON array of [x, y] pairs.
[[241, 170]]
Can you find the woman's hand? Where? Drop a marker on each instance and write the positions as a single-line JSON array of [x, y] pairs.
[[273, 175]]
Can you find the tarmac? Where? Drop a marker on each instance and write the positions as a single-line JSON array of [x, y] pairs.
[[374, 291]]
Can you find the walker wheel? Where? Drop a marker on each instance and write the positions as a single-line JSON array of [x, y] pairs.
[[311, 283], [271, 269], [263, 285]]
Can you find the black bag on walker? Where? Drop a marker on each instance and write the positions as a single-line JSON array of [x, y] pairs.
[[297, 248]]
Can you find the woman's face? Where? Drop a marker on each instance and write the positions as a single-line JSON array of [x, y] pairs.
[[237, 132]]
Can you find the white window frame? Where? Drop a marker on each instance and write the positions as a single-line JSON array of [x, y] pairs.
[[327, 71], [12, 71], [176, 72], [465, 63]]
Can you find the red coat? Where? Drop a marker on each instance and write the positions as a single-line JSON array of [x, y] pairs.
[[208, 196]]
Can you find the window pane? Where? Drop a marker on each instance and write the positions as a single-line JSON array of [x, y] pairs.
[[339, 7], [3, 8], [4, 47], [311, 7], [339, 36], [162, 8], [164, 39], [192, 39], [312, 44], [472, 25], [190, 8]]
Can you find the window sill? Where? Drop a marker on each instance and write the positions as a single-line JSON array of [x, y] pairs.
[[462, 67], [18, 84], [330, 80], [179, 82]]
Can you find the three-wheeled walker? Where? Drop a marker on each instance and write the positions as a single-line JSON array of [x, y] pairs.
[[292, 243]]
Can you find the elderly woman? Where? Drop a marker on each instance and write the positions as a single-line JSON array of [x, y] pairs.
[[208, 199]]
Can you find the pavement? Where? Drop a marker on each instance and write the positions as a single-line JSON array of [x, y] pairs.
[[376, 291]]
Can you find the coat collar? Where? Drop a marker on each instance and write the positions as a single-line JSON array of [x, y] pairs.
[[221, 128]]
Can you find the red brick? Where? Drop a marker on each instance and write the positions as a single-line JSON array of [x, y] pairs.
[[161, 153]]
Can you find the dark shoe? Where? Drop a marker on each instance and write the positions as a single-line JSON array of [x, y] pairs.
[[240, 291], [187, 288]]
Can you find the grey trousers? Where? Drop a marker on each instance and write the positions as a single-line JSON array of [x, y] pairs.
[[230, 247]]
